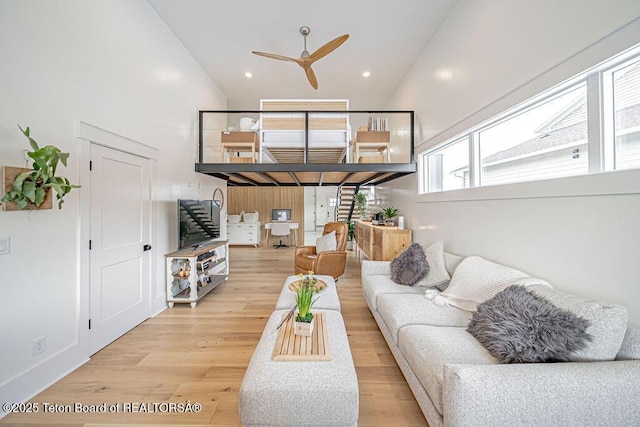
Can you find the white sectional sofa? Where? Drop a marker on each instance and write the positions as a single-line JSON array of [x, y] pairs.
[[457, 382]]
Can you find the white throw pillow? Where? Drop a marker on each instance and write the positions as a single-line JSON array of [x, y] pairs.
[[477, 280], [437, 274], [326, 243]]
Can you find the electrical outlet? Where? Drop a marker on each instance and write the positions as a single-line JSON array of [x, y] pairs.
[[39, 345], [5, 245]]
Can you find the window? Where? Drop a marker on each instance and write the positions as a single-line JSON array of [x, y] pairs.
[[448, 167], [626, 111], [552, 135], [548, 140]]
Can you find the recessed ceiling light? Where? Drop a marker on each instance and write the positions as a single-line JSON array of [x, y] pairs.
[[248, 75], [366, 74], [444, 74]]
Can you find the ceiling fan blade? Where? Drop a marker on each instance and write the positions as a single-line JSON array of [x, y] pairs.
[[327, 48], [274, 56], [311, 76]]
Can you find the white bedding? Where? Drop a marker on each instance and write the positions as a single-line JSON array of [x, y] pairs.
[[295, 139]]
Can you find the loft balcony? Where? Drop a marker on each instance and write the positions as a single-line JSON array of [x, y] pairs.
[[282, 144]]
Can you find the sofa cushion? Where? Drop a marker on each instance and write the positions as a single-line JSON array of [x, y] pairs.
[[517, 326], [410, 266], [437, 277], [476, 280], [380, 284], [399, 310], [630, 348], [427, 349], [608, 323], [451, 262]]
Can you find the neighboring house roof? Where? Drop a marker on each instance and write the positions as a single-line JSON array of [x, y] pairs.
[[569, 124], [576, 132]]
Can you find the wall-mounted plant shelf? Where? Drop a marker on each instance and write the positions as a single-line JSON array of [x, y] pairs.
[[9, 174]]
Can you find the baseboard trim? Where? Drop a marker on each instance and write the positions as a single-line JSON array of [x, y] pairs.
[[36, 379]]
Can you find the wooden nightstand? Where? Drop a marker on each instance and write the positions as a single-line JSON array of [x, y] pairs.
[[377, 141], [238, 142]]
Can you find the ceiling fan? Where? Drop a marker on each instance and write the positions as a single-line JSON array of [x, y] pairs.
[[307, 59]]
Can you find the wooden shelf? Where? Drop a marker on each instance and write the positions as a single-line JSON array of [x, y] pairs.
[[215, 254]]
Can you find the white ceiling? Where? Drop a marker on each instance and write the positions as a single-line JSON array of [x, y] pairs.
[[386, 38]]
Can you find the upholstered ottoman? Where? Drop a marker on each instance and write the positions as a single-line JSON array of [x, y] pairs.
[[300, 393], [327, 299]]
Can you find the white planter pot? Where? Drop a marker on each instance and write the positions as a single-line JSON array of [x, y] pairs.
[[303, 329]]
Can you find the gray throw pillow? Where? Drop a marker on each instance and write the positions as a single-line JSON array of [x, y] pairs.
[[410, 266], [517, 326]]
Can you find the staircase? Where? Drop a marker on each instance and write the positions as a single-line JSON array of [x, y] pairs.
[[345, 205]]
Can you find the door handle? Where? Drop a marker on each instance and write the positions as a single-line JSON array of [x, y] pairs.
[[146, 248]]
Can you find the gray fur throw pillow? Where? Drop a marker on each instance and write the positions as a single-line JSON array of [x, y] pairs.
[[517, 326], [410, 266]]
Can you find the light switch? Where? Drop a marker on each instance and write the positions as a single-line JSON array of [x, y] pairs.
[[5, 245]]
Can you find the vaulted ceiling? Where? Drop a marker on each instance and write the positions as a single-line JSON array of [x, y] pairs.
[[385, 39]]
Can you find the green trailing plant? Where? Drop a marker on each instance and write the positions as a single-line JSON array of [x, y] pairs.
[[31, 187], [390, 212], [304, 298], [361, 204]]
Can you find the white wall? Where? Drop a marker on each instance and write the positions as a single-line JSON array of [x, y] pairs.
[[581, 234], [115, 65]]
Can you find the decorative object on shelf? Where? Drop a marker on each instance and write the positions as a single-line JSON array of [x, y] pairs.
[[234, 219], [184, 270], [361, 204], [246, 123], [304, 301], [31, 188], [251, 217], [389, 213], [218, 197]]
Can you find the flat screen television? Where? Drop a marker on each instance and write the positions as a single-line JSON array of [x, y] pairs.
[[279, 215], [199, 222]]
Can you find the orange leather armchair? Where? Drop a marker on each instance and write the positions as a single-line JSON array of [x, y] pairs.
[[330, 263]]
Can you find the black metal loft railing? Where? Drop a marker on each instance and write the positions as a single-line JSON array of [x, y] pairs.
[[306, 136]]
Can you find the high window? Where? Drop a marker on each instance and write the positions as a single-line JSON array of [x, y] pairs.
[[626, 114], [448, 167], [547, 140], [549, 136]]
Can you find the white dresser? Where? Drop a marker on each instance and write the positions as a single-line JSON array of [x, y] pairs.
[[243, 233]]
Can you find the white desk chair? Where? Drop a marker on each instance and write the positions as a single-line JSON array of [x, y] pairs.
[[280, 229]]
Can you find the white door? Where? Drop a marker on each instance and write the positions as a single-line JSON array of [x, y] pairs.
[[323, 210], [309, 209], [120, 228]]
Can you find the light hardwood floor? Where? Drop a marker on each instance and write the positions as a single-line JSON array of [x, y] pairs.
[[200, 356]]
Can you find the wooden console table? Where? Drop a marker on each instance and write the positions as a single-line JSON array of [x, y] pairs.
[[381, 243]]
